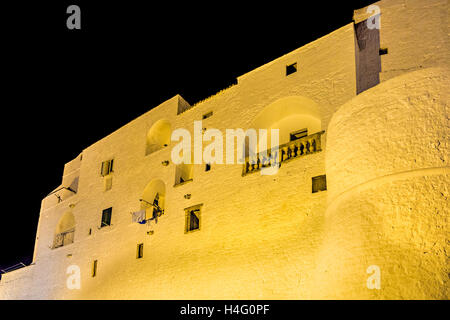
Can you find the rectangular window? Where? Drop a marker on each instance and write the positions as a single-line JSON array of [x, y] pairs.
[[382, 51], [192, 218], [207, 115], [319, 183], [298, 134], [107, 167], [94, 268], [208, 167], [140, 251], [106, 217], [290, 69]]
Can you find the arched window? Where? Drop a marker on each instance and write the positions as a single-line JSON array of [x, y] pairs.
[[65, 230], [158, 136]]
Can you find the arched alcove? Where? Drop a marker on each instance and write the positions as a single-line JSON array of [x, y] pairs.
[[153, 198], [158, 136], [293, 115], [65, 230]]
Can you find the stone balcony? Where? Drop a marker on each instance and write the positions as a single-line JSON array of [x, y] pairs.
[[286, 152], [63, 238]]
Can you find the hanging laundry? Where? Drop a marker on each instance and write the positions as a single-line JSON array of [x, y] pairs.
[[138, 216]]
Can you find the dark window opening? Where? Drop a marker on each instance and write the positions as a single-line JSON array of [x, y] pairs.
[[106, 217], [140, 251], [292, 68], [319, 183], [94, 268], [383, 51], [298, 134], [208, 167], [107, 167], [192, 218], [194, 221], [207, 115]]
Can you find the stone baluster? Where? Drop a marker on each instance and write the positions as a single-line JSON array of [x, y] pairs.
[[284, 152], [313, 144], [292, 151]]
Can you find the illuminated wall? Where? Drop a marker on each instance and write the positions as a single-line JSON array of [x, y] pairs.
[[270, 237], [388, 176]]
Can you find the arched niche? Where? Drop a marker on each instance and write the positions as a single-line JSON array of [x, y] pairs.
[[153, 197], [65, 230], [290, 115], [158, 136]]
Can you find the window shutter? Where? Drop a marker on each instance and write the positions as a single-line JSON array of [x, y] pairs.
[[106, 171]]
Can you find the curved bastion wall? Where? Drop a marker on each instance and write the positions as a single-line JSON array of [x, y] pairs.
[[387, 164]]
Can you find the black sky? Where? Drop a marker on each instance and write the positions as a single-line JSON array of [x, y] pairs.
[[63, 90]]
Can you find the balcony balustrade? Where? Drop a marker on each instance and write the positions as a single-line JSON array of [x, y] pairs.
[[288, 151], [63, 238]]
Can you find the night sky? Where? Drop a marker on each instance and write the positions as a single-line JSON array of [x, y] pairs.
[[63, 90]]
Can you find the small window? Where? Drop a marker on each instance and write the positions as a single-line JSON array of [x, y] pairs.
[[207, 115], [319, 183], [140, 251], [107, 167], [106, 217], [298, 134], [383, 51], [290, 69], [208, 167], [192, 218], [94, 268]]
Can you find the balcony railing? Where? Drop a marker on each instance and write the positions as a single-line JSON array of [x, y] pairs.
[[288, 151], [63, 238]]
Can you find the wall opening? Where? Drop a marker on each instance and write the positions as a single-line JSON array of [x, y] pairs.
[[65, 230], [183, 173], [290, 69], [140, 251], [193, 218], [319, 183], [94, 268], [107, 167], [295, 117], [207, 115], [383, 51], [158, 136], [106, 217], [298, 134]]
